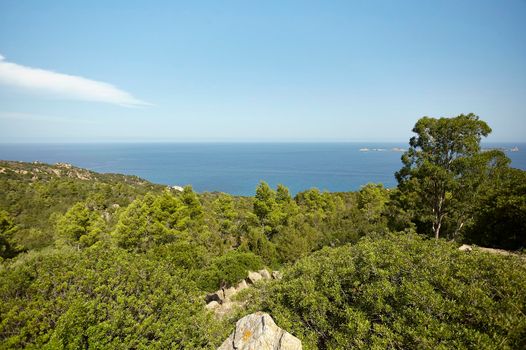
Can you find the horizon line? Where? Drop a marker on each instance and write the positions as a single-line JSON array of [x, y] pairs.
[[225, 142]]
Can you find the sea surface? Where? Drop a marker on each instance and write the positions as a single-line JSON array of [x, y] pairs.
[[237, 168]]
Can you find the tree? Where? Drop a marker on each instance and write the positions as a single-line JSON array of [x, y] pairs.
[[151, 221], [372, 199], [225, 214], [273, 208], [8, 248], [442, 168], [79, 226], [264, 201], [500, 218]]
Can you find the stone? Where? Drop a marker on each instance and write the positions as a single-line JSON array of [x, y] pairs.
[[218, 296], [229, 292], [241, 285], [465, 248], [253, 277], [276, 275], [264, 273], [212, 305], [258, 331]]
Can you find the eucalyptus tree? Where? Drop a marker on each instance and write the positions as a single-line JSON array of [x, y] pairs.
[[443, 170]]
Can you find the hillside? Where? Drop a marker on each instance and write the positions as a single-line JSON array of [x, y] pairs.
[[34, 193], [107, 261]]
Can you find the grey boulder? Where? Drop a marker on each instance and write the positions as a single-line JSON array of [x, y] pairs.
[[258, 331]]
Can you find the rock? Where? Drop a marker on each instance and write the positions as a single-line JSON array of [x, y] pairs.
[[229, 292], [63, 165], [276, 275], [253, 277], [264, 273], [218, 296], [495, 251], [465, 248], [241, 285], [106, 216], [258, 331], [212, 305]]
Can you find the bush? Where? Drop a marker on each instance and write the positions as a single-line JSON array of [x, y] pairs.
[[401, 292], [101, 298], [228, 269]]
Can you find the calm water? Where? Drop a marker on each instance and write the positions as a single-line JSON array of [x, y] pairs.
[[236, 168]]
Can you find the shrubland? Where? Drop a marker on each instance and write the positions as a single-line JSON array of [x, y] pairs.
[[111, 261], [400, 291]]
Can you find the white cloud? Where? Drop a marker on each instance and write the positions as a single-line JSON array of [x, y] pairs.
[[31, 117], [64, 85]]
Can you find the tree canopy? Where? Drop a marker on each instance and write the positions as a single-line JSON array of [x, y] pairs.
[[443, 170]]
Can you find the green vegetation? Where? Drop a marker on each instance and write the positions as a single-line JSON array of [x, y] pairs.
[[109, 261], [401, 292], [35, 194]]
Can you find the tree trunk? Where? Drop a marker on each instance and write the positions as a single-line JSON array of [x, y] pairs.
[[439, 215], [436, 228]]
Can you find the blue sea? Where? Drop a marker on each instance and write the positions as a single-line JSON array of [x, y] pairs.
[[237, 168]]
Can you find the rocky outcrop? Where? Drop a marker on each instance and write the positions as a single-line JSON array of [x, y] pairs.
[[264, 274], [465, 248], [212, 305], [253, 277], [229, 292], [218, 296], [473, 248], [469, 248], [241, 285], [258, 331], [220, 301]]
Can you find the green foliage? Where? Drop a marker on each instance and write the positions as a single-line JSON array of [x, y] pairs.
[[148, 255], [442, 170], [8, 248], [80, 226], [372, 199], [34, 193], [500, 218], [225, 214], [315, 202], [295, 241], [228, 269], [101, 298], [184, 255], [255, 241], [157, 219], [264, 201], [265, 208], [402, 292]]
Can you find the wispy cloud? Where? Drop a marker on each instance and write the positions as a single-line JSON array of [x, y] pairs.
[[64, 85], [31, 117]]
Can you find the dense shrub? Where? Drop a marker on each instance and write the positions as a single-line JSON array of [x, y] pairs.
[[228, 269], [402, 292], [101, 298]]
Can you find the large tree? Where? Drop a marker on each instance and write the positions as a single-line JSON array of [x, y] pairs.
[[443, 170]]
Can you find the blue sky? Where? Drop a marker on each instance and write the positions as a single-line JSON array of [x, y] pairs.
[[98, 71]]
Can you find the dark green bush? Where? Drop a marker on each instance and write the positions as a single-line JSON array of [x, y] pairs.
[[101, 298], [228, 269], [402, 292]]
